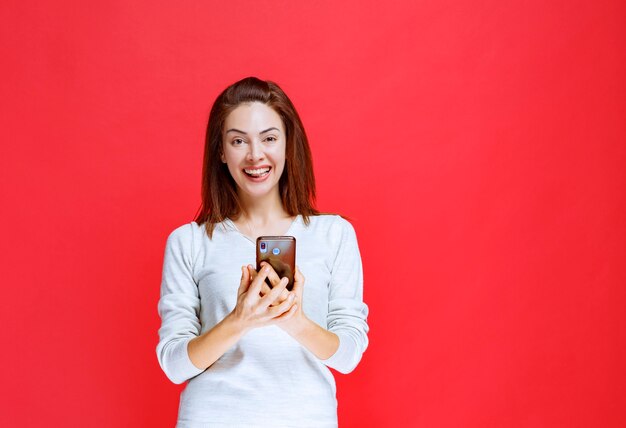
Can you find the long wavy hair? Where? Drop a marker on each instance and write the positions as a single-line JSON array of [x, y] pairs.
[[219, 190]]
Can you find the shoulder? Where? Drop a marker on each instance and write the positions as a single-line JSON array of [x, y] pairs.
[[337, 235], [185, 234], [327, 219], [335, 221], [332, 225]]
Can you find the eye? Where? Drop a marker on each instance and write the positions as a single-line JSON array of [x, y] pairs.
[[237, 142], [271, 139]]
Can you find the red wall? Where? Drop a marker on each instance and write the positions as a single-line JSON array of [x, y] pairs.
[[479, 148]]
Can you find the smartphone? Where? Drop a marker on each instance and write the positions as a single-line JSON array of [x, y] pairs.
[[280, 252]]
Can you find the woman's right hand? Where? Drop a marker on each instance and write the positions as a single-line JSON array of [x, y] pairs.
[[255, 309]]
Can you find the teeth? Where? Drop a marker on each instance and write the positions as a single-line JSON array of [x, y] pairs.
[[259, 171]]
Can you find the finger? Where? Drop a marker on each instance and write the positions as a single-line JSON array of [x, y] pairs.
[[245, 281], [273, 276], [283, 307], [288, 314], [298, 275], [266, 289], [274, 279], [252, 271], [274, 293], [256, 284], [298, 282]]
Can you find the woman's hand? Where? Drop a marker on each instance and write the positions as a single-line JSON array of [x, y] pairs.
[[257, 309], [321, 342], [295, 319]]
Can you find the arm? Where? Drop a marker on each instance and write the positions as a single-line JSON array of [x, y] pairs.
[[343, 343], [204, 350], [347, 313], [179, 308], [182, 352], [321, 342]]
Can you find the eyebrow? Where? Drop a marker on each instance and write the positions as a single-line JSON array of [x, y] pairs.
[[242, 132]]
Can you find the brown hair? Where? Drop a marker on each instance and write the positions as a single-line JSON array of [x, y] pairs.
[[297, 182]]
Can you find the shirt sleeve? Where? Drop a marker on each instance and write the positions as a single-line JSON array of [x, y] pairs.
[[347, 313], [179, 307]]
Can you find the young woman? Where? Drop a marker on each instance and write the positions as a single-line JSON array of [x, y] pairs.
[[255, 355]]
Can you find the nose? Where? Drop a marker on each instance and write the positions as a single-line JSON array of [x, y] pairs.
[[255, 152]]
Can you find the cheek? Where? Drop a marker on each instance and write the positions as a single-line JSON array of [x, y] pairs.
[[232, 163], [282, 163], [231, 157], [278, 156]]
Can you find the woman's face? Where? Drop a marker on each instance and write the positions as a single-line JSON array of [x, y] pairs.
[[253, 147]]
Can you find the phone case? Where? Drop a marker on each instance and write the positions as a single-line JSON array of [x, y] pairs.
[[280, 252]]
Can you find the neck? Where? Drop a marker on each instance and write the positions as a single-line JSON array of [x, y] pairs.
[[263, 211]]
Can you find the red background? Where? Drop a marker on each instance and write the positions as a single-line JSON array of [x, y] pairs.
[[479, 148]]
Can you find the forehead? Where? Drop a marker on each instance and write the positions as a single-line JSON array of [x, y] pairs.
[[253, 118]]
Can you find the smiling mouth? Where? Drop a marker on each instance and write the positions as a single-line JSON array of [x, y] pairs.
[[257, 172]]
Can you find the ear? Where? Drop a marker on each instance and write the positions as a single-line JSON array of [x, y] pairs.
[[222, 158]]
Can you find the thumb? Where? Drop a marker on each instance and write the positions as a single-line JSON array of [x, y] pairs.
[[245, 281], [298, 281]]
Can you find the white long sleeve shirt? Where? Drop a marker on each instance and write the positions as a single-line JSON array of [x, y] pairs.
[[267, 379]]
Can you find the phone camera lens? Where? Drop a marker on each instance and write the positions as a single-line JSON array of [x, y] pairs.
[[263, 247]]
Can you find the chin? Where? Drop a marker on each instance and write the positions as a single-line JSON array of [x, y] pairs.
[[257, 192]]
